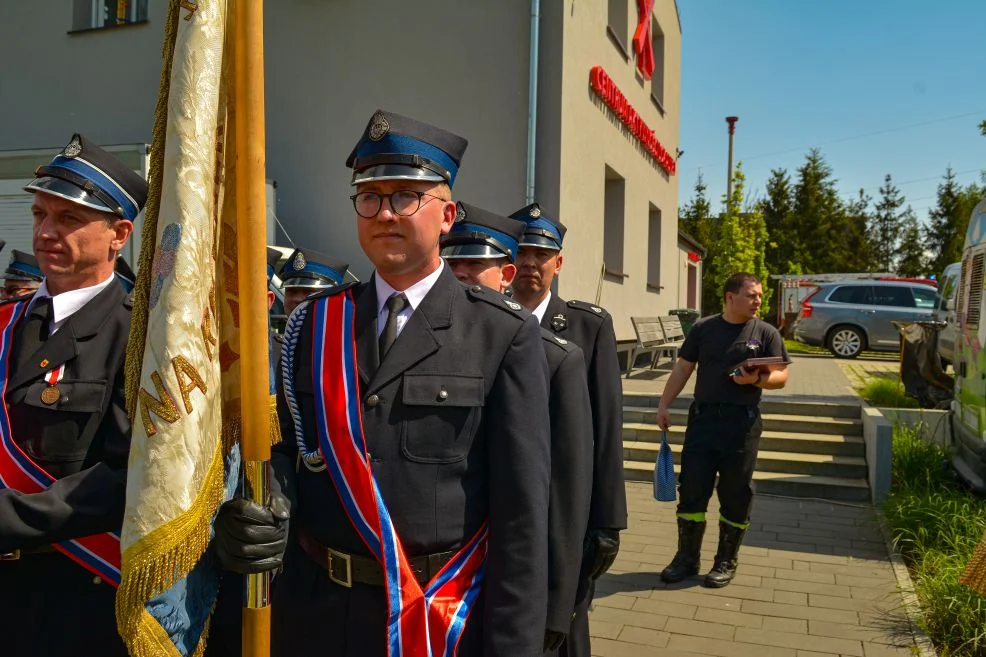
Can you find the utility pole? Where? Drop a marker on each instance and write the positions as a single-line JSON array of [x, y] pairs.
[[731, 120]]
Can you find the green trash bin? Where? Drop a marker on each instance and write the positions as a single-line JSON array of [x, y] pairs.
[[687, 317]]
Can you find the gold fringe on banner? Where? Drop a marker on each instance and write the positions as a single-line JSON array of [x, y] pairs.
[[974, 575], [145, 262], [158, 560], [275, 426]]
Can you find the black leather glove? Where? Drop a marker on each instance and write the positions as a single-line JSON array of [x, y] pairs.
[[251, 538], [553, 640], [600, 550]]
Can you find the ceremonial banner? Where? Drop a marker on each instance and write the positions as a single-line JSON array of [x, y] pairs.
[[183, 400]]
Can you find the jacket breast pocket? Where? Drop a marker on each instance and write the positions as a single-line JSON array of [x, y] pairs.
[[441, 414], [56, 437]]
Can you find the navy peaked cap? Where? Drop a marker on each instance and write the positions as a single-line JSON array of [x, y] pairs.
[[479, 233], [542, 231], [23, 267], [395, 147], [84, 173], [307, 268]]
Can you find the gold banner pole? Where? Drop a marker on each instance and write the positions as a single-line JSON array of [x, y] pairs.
[[252, 257]]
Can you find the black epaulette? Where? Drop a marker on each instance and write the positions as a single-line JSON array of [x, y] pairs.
[[558, 341], [589, 308], [333, 290], [493, 298]]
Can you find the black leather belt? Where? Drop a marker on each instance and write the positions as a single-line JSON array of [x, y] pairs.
[[345, 568], [16, 555]]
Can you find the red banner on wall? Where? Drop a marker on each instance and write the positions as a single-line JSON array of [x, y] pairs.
[[606, 89]]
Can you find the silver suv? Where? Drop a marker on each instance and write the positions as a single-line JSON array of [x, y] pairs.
[[852, 316]]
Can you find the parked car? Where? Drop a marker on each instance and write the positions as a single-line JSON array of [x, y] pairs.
[[945, 312], [848, 317]]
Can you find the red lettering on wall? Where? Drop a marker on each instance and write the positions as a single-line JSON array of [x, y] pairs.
[[609, 93]]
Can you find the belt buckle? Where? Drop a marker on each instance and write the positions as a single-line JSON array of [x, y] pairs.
[[10, 556], [345, 558]]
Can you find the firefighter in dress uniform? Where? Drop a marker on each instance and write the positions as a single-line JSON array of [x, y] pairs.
[[590, 327], [453, 409], [64, 450], [481, 248]]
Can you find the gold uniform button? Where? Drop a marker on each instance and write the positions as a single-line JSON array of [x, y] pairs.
[[372, 401]]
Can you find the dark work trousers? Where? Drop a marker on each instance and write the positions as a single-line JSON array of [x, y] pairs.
[[577, 643], [720, 439]]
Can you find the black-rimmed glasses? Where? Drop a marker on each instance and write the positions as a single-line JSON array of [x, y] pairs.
[[403, 202]]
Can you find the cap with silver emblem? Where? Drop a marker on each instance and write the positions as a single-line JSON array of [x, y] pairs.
[[84, 173], [542, 231], [395, 147], [479, 233], [22, 267], [311, 269]]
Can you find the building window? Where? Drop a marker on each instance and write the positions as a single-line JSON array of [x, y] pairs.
[[97, 14], [654, 250], [613, 219], [657, 77], [618, 25]]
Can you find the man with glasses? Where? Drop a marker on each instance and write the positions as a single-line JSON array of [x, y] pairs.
[[22, 276], [539, 261], [420, 505]]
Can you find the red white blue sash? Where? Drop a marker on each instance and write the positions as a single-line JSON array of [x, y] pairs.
[[99, 553], [424, 623]]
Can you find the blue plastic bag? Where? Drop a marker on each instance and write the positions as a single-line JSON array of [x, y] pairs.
[[665, 489]]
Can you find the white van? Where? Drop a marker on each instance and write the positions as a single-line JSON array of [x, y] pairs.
[[945, 312]]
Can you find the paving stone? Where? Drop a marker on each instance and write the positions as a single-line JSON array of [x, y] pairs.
[[797, 611], [725, 617], [645, 636], [720, 648], [793, 598], [649, 620], [694, 627], [614, 601], [611, 648], [805, 576], [877, 650], [837, 602], [812, 653], [796, 641], [790, 625], [604, 629], [669, 606]]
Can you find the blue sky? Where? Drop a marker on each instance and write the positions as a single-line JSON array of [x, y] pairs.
[[879, 85]]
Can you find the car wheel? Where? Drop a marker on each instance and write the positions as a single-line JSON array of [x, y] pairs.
[[845, 342]]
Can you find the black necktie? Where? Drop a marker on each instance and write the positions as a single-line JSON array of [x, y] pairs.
[[35, 331], [395, 305]]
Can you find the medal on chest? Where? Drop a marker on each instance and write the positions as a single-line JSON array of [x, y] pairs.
[[52, 393]]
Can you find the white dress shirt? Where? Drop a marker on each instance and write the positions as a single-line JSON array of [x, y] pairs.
[[542, 308], [415, 295], [66, 304]]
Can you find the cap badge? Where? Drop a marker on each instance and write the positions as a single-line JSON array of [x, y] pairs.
[[74, 147], [535, 212], [512, 304], [559, 322], [379, 127], [299, 262]]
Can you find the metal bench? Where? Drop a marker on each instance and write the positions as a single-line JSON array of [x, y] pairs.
[[652, 338]]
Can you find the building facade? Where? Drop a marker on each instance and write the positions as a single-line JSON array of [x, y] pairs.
[[606, 136]]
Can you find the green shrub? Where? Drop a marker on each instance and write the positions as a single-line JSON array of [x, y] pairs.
[[936, 525], [886, 393]]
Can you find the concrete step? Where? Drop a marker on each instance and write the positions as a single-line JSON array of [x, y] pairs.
[[771, 421], [826, 465], [779, 483], [769, 405], [776, 441]]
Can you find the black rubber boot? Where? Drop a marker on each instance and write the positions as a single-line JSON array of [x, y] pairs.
[[685, 562], [724, 568]]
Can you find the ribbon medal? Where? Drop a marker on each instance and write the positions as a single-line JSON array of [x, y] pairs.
[[52, 394]]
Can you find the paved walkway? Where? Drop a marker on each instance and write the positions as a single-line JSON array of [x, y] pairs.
[[814, 580]]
